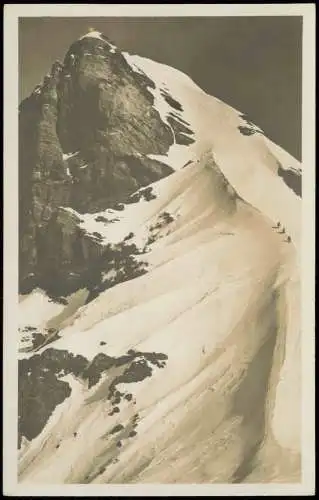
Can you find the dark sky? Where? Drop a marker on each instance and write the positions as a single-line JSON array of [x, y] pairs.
[[251, 63]]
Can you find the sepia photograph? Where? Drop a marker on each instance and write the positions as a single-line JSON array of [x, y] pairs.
[[159, 249]]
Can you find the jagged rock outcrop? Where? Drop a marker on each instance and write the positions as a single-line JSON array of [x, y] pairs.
[[83, 136]]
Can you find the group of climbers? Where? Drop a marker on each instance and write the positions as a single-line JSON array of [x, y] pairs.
[[282, 231]]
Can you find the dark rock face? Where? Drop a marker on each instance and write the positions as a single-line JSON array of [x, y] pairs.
[[41, 389], [249, 128], [182, 132], [292, 179], [69, 270], [171, 101], [94, 106], [145, 194]]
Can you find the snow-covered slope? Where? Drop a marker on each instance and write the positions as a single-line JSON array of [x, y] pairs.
[[239, 156], [190, 371]]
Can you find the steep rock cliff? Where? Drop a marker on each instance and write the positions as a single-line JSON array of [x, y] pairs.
[[84, 136]]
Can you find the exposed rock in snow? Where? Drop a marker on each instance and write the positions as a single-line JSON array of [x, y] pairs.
[[66, 156]]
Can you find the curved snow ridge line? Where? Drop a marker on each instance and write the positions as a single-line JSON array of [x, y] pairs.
[[114, 226], [97, 313], [137, 219], [162, 337], [217, 127], [265, 190]]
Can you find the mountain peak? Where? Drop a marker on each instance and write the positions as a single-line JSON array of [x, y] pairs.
[[98, 35], [92, 33], [142, 197]]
